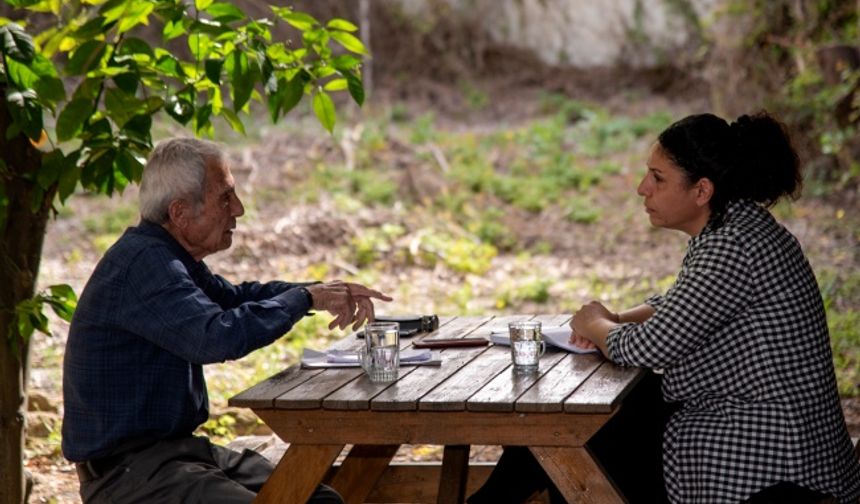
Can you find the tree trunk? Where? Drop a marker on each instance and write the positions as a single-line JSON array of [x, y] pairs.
[[20, 253]]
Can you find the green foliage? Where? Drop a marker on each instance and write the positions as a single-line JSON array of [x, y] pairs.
[[535, 291], [103, 130], [845, 341], [30, 317]]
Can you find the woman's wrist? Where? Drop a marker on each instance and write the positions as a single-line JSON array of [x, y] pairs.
[[616, 317]]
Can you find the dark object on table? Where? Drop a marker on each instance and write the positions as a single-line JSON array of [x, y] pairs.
[[451, 342], [410, 325]]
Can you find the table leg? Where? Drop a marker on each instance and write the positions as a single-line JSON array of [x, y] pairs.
[[360, 471], [455, 474], [576, 474], [298, 474]]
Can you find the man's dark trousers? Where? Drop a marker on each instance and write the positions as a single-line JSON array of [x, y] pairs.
[[185, 470]]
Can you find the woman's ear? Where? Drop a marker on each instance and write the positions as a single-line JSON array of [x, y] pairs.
[[704, 191]]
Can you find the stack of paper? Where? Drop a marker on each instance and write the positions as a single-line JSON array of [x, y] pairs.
[[558, 337]]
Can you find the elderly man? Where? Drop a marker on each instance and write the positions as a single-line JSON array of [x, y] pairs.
[[150, 316]]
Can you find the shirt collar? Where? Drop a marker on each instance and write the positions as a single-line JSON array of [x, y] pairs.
[[157, 231]]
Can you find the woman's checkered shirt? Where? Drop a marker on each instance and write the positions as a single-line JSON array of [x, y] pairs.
[[743, 342]]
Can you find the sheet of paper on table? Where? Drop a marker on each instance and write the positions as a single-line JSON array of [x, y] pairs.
[[558, 337], [345, 358]]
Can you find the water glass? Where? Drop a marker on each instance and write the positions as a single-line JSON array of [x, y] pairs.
[[527, 346], [381, 355]]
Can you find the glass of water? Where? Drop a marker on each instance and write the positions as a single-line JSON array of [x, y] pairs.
[[527, 346], [381, 355]]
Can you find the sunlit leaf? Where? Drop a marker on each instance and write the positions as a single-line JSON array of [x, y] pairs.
[[349, 42], [335, 85], [202, 4], [173, 29], [341, 24], [225, 12], [324, 109], [233, 120], [137, 14], [299, 20]]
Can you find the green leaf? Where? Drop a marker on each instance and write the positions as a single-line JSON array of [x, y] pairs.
[[335, 85], [213, 70], [16, 43], [20, 4], [345, 62], [170, 66], [200, 45], [299, 20], [202, 4], [138, 131], [201, 118], [173, 29], [52, 166], [356, 88], [180, 109], [128, 82], [69, 175], [134, 45], [63, 301], [21, 75], [137, 13], [128, 165], [73, 117], [85, 57], [120, 106], [341, 24], [225, 12], [233, 120], [92, 28], [26, 113], [349, 42], [324, 109], [242, 80]]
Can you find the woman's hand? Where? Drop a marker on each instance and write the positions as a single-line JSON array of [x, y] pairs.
[[581, 342], [593, 322]]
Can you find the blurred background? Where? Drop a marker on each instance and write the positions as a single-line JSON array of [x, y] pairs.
[[493, 169]]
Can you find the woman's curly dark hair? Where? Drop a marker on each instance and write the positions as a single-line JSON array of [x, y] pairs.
[[751, 158]]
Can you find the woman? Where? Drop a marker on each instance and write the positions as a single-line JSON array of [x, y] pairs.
[[753, 413], [741, 336]]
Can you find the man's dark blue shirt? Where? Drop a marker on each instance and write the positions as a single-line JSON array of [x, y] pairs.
[[148, 319]]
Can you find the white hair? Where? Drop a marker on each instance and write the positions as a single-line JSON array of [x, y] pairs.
[[176, 169]]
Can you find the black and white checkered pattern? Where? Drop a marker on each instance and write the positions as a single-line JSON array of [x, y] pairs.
[[743, 342]]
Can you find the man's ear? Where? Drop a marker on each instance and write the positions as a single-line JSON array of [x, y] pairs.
[[179, 213], [704, 191]]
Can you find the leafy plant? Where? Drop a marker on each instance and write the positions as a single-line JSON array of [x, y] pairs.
[[80, 89]]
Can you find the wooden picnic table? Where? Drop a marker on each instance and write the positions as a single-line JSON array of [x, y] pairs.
[[473, 398]]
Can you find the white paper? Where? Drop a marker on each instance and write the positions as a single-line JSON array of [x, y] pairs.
[[558, 337], [347, 358]]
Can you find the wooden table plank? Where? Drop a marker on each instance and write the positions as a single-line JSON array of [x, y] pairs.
[[310, 394], [263, 394], [502, 391], [452, 394], [604, 390], [578, 477], [359, 472], [298, 474], [558, 383], [404, 394], [432, 427]]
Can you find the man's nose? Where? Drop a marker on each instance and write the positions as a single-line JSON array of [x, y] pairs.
[[236, 207]]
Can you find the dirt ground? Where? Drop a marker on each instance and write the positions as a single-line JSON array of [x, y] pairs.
[[284, 239]]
